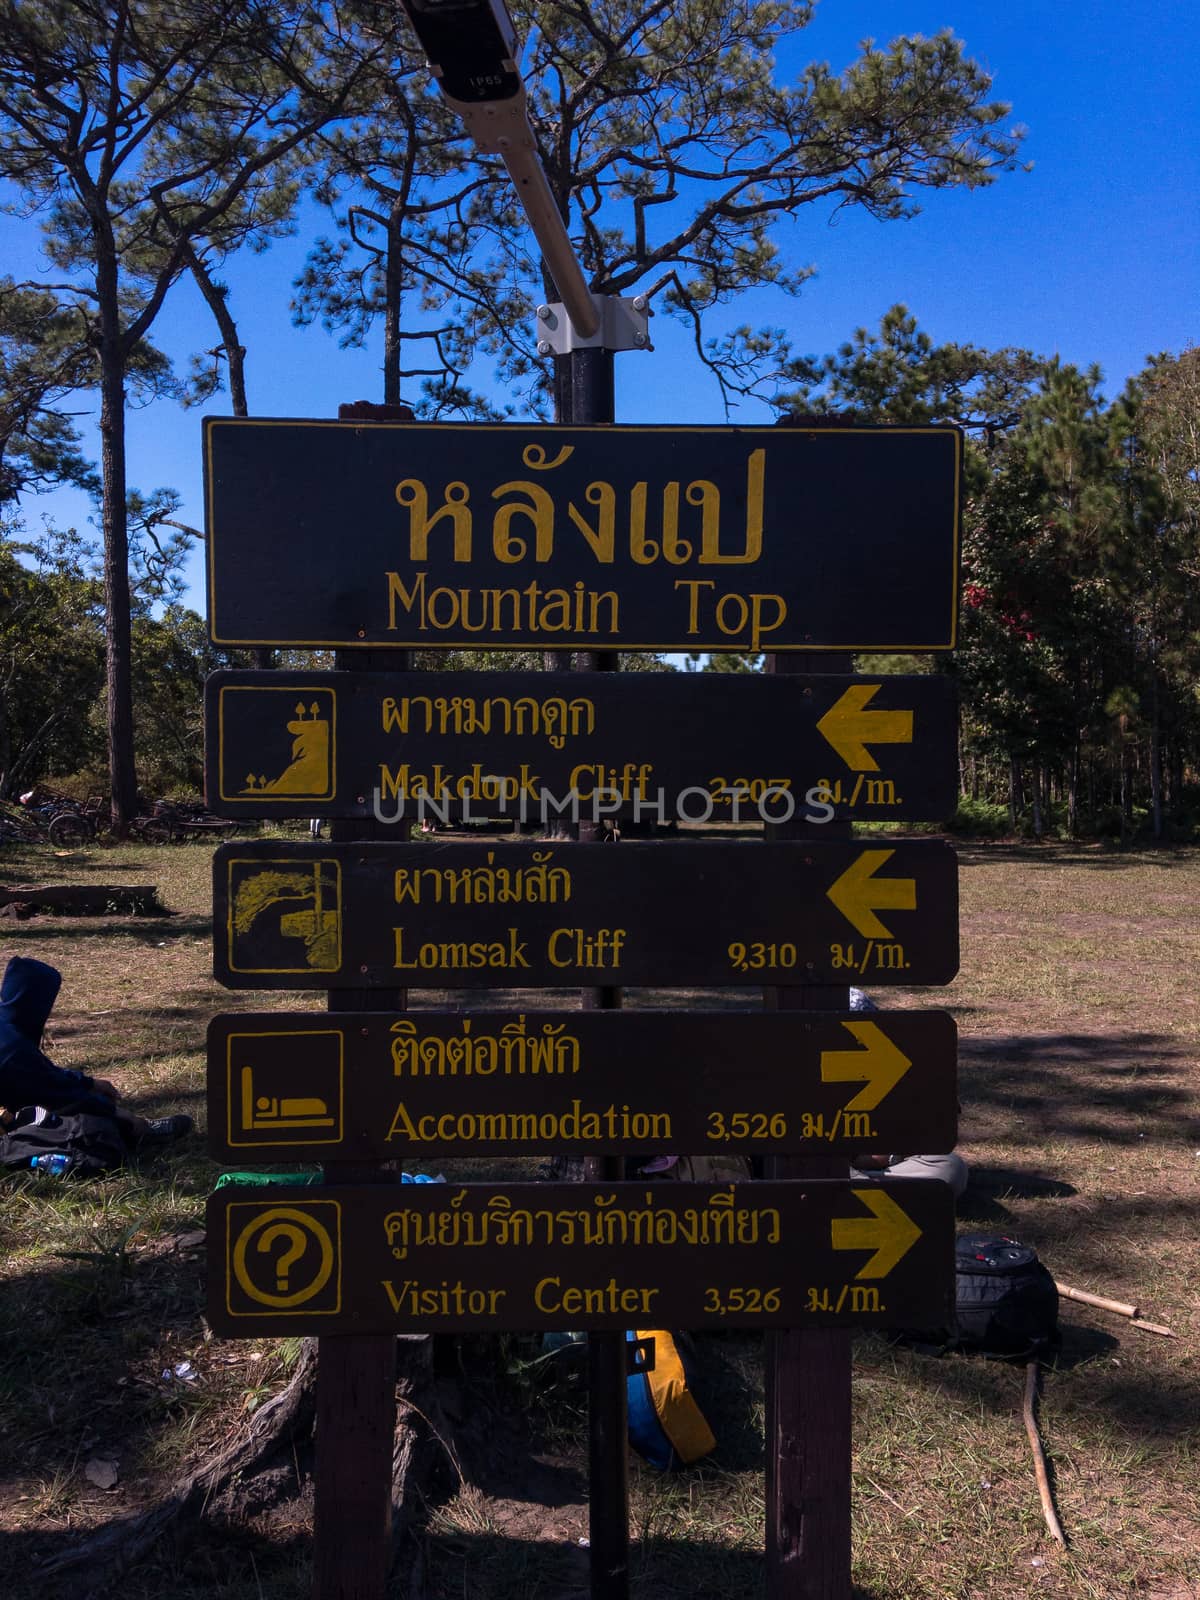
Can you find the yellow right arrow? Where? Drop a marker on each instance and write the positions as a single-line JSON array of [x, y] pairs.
[[858, 894], [849, 727], [880, 1064], [888, 1232]]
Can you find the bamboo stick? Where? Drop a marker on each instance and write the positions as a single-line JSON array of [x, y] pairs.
[[1039, 1454], [1121, 1307]]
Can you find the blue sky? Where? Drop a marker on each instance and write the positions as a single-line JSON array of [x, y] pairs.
[[1094, 254]]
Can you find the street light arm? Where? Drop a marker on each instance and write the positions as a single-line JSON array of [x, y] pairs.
[[471, 46]]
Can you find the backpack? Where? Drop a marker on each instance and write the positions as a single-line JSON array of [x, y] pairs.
[[92, 1143], [666, 1426], [1005, 1302]]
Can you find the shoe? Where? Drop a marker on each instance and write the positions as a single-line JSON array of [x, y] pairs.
[[161, 1130]]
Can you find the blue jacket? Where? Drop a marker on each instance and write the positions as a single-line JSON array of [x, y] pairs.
[[27, 1077]]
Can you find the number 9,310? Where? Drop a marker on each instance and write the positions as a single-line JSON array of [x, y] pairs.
[[761, 957]]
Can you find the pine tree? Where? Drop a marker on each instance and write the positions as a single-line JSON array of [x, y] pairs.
[[673, 150], [135, 129]]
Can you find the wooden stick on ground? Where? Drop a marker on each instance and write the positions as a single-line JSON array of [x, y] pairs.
[[1088, 1299], [1120, 1307], [1039, 1454]]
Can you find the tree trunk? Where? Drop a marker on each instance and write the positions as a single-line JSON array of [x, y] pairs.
[[122, 770], [1015, 798], [5, 750], [1073, 791], [263, 1474], [1035, 791], [216, 299], [393, 293], [1156, 807]]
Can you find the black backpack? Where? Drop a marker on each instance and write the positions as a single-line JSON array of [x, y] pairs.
[[1005, 1302], [92, 1143]]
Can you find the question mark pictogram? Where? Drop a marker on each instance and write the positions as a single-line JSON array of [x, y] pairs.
[[289, 1258], [268, 1244]]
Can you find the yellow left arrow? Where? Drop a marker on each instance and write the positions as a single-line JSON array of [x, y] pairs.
[[850, 727], [888, 1233], [880, 1064], [859, 894]]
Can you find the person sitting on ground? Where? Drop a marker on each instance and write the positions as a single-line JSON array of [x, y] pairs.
[[948, 1168], [29, 1078]]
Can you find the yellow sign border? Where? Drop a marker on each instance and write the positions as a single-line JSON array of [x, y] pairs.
[[608, 429]]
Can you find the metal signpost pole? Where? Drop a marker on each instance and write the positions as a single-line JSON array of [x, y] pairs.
[[584, 393]]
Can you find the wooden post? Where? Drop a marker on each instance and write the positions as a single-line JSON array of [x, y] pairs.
[[808, 1370], [356, 1374]]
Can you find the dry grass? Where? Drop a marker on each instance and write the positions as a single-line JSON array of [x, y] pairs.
[[1080, 1019]]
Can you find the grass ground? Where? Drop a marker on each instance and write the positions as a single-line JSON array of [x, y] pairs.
[[1080, 1019]]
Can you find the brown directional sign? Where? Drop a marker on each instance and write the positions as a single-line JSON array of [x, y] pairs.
[[336, 916], [664, 745], [445, 1257], [371, 1086], [535, 537]]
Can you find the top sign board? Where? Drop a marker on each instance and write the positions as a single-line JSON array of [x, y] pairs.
[[518, 536]]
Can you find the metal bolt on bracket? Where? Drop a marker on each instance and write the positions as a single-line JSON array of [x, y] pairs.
[[623, 325]]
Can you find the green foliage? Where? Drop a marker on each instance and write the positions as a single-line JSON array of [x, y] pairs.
[[980, 819], [52, 673], [724, 661], [43, 357], [1079, 638], [51, 658], [171, 659], [900, 375]]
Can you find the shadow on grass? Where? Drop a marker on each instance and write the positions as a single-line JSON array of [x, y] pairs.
[[198, 1563], [1103, 1087], [80, 1337], [490, 1566], [632, 999], [1106, 857], [1092, 1380], [134, 1022], [145, 930]]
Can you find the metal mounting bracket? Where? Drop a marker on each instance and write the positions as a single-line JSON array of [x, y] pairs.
[[624, 325]]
